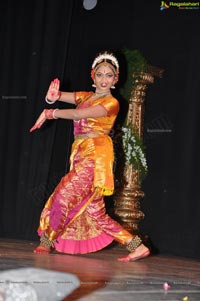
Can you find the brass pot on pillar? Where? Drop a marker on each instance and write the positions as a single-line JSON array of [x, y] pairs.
[[129, 194]]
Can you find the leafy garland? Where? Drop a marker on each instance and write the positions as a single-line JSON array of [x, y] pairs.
[[132, 144], [136, 63]]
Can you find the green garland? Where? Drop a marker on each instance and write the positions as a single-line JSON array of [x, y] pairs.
[[136, 63]]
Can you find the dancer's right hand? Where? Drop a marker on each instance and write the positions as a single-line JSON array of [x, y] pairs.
[[53, 92]]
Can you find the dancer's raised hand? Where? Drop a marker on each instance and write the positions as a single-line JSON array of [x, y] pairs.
[[53, 92]]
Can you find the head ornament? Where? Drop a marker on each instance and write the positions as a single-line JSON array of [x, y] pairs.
[[106, 57]]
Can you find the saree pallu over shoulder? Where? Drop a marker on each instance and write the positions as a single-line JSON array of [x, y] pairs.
[[100, 147], [91, 148]]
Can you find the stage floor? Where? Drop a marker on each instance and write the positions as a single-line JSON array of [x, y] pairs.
[[102, 277]]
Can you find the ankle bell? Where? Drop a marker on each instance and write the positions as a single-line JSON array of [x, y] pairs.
[[134, 244], [45, 241]]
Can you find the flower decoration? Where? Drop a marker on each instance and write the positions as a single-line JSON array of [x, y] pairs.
[[134, 150]]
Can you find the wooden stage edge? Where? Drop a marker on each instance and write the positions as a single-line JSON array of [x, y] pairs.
[[101, 277]]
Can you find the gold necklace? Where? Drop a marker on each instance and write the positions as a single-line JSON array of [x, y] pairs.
[[100, 94]]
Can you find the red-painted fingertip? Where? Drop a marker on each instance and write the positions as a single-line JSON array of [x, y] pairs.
[[33, 128]]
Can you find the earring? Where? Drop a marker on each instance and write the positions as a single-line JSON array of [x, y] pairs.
[[93, 85], [112, 87]]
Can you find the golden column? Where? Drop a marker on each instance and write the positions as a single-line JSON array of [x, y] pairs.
[[127, 197]]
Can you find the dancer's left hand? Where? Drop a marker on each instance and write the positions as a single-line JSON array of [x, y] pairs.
[[39, 122]]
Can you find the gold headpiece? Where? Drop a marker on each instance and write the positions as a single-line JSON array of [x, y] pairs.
[[106, 57]]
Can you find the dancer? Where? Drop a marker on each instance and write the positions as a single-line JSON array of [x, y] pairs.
[[74, 218]]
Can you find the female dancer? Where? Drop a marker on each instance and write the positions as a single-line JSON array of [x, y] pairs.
[[74, 219]]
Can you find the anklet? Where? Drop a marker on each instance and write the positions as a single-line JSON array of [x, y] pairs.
[[134, 243], [45, 241]]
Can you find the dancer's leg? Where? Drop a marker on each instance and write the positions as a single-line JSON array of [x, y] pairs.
[[68, 200], [133, 243]]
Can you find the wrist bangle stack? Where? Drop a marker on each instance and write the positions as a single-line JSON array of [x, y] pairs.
[[50, 102], [50, 114]]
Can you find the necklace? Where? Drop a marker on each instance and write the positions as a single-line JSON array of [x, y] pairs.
[[100, 94], [96, 96]]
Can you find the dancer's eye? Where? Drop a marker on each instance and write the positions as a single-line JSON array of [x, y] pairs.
[[99, 74]]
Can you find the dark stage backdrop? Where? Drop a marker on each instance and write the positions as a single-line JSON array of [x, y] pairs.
[[41, 40]]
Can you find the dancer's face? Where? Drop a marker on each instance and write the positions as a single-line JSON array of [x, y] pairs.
[[104, 78]]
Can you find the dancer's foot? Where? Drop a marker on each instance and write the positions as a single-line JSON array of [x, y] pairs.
[[141, 252], [42, 250]]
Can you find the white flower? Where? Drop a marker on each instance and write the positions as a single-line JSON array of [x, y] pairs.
[[133, 149]]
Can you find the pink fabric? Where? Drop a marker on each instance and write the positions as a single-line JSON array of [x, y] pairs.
[[83, 246], [74, 211]]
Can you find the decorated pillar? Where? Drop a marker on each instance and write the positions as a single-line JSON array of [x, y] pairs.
[[128, 196]]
